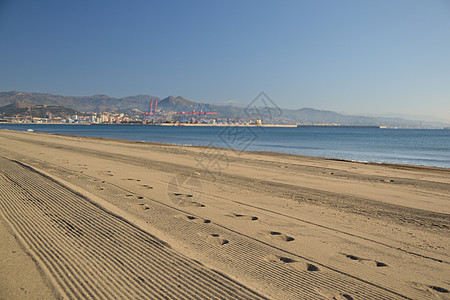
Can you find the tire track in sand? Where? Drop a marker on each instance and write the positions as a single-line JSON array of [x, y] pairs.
[[92, 254], [292, 282]]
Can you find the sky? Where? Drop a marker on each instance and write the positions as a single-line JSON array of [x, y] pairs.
[[352, 56]]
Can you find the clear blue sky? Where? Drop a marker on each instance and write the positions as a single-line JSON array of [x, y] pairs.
[[348, 56]]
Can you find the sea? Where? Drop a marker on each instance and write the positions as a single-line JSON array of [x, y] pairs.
[[426, 147]]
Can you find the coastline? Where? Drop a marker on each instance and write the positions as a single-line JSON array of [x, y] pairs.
[[381, 149], [256, 217]]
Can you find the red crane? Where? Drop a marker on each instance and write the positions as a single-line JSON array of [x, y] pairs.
[[201, 112], [151, 111], [193, 113]]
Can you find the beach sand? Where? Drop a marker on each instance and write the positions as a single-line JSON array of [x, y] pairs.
[[98, 218]]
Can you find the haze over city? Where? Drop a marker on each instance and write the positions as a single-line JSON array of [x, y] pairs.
[[358, 57]]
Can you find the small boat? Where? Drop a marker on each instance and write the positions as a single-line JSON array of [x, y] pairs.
[[30, 130]]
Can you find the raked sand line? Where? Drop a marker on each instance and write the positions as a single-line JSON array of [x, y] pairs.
[[294, 282], [91, 254]]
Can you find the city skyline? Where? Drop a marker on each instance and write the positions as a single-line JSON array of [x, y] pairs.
[[357, 57]]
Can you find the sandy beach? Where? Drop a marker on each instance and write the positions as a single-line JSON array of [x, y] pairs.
[[90, 218]]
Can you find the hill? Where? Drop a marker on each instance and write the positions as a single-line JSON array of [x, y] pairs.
[[172, 103], [23, 110], [95, 103]]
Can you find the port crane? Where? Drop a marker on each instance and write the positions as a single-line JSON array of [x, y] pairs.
[[196, 113], [150, 116]]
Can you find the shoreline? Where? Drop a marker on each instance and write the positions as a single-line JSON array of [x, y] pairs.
[[272, 153], [234, 125]]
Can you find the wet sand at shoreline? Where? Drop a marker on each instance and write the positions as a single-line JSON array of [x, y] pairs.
[[103, 218]]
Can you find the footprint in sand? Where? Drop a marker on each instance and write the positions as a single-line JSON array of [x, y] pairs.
[[388, 180], [132, 179], [433, 289], [106, 173], [185, 195], [366, 261], [279, 236], [243, 217], [144, 206], [146, 186], [292, 263], [193, 219], [216, 239], [134, 196], [333, 295], [185, 200], [198, 220], [98, 180]]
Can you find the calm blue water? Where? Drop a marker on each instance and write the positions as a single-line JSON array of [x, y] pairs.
[[403, 146]]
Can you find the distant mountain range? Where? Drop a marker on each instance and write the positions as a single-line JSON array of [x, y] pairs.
[[96, 103], [37, 111], [269, 113]]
